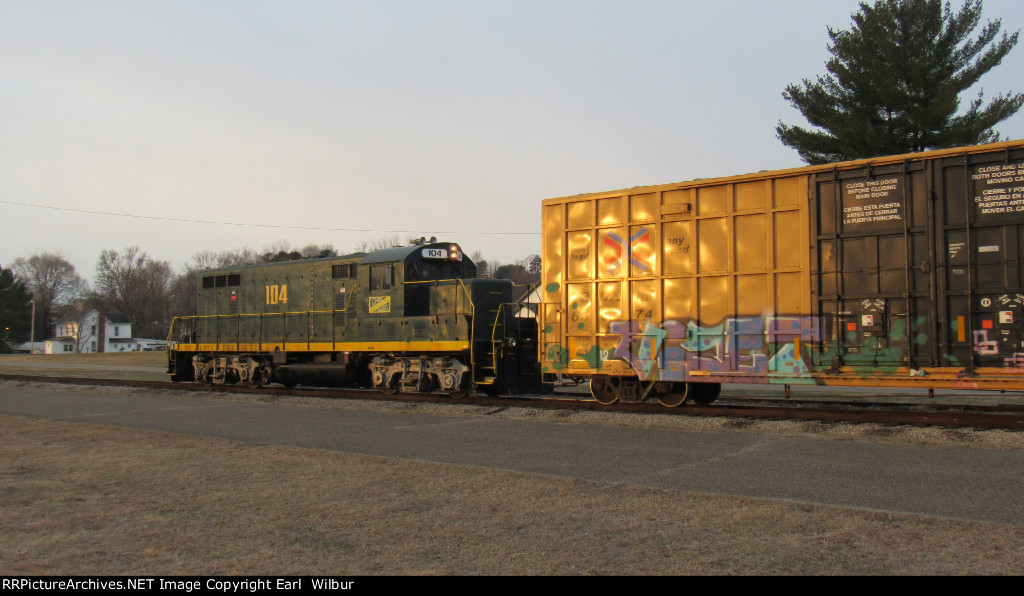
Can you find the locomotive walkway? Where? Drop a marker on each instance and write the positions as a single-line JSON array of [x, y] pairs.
[[946, 481]]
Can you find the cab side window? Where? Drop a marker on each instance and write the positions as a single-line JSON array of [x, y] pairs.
[[382, 277]]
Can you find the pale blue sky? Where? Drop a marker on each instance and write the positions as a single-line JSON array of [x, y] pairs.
[[453, 118]]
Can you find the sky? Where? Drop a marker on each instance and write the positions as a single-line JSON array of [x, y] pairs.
[[127, 123]]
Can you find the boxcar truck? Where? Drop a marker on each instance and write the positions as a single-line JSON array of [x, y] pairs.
[[901, 271]]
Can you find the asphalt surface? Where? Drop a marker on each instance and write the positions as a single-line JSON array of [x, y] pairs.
[[946, 481]]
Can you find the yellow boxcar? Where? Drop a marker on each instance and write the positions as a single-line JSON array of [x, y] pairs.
[[894, 271]]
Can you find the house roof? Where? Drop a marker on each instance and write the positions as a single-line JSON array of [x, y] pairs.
[[75, 317]]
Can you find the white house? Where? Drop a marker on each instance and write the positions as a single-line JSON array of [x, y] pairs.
[[85, 333]]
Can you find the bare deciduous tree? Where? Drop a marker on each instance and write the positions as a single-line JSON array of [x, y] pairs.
[[379, 244], [132, 283], [523, 272], [54, 284]]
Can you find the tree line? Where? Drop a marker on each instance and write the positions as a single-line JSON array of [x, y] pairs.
[[131, 282]]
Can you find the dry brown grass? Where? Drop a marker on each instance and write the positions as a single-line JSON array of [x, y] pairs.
[[114, 358], [83, 499], [88, 365]]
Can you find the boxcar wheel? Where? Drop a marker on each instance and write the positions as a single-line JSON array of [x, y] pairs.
[[704, 393], [676, 396], [602, 390]]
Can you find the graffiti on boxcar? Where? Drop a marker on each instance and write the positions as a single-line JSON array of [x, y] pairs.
[[760, 348], [999, 330], [773, 348]]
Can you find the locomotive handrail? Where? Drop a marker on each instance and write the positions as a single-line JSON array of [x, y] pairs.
[[506, 316], [472, 330], [177, 321], [238, 316], [190, 327], [495, 341], [472, 309]]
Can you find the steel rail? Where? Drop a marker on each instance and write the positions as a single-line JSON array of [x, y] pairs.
[[941, 415]]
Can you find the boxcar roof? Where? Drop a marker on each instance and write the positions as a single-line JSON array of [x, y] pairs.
[[838, 166]]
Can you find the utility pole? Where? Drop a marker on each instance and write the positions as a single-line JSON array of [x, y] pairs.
[[32, 334]]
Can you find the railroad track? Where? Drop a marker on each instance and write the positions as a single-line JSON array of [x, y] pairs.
[[1008, 417]]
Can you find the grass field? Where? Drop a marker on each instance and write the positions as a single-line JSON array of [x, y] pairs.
[[119, 365], [108, 359], [84, 499]]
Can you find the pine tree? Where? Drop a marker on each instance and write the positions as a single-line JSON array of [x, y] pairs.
[[15, 311], [895, 81]]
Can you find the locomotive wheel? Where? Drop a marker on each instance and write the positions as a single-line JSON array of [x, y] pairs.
[[466, 389], [385, 382], [393, 386], [602, 390], [676, 396], [259, 378], [449, 379]]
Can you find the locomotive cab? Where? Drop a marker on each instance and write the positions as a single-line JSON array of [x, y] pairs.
[[455, 326], [398, 280]]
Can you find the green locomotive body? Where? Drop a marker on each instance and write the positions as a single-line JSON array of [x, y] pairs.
[[412, 318]]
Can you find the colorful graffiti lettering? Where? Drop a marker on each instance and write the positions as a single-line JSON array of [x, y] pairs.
[[794, 349], [1017, 360], [766, 349], [983, 345]]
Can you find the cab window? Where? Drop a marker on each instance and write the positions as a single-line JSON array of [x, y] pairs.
[[382, 277]]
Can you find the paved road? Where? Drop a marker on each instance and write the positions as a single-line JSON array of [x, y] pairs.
[[954, 482]]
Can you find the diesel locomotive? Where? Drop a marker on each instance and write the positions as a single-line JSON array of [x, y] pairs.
[[411, 318]]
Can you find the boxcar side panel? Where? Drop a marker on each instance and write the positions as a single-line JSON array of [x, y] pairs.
[[679, 282], [981, 226], [893, 271]]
